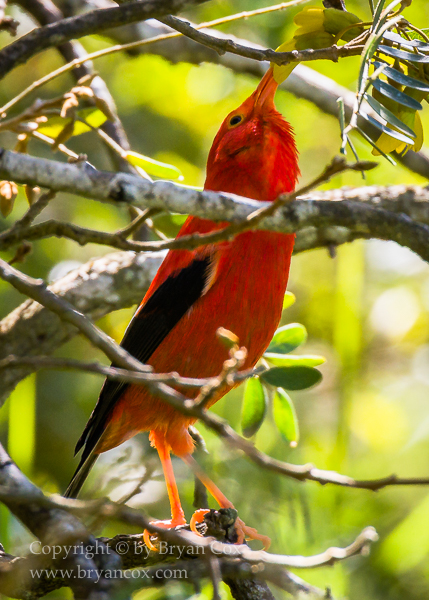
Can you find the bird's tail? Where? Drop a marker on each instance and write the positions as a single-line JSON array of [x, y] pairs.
[[80, 475]]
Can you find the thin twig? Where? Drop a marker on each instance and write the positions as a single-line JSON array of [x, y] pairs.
[[81, 235], [126, 375], [32, 213], [136, 223], [332, 53], [37, 290], [224, 380], [189, 407], [126, 47], [50, 141], [223, 45], [7, 23]]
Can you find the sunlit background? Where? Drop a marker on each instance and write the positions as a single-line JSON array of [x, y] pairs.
[[366, 311]]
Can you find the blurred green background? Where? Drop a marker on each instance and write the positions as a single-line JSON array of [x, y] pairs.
[[367, 311]]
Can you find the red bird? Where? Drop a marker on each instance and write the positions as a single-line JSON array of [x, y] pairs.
[[238, 285]]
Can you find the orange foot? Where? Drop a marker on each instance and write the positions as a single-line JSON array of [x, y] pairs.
[[243, 531], [169, 524]]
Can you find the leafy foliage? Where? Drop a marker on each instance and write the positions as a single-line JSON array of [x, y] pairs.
[[254, 406], [288, 338], [394, 67], [398, 82], [153, 167], [297, 377], [285, 417], [289, 372], [318, 28]]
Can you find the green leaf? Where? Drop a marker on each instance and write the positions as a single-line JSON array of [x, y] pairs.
[[288, 300], [416, 35], [378, 10], [93, 116], [342, 119], [288, 338], [383, 17], [392, 132], [154, 167], [396, 95], [403, 79], [374, 145], [54, 125], [254, 407], [291, 360], [388, 115], [285, 417], [291, 378], [402, 55]]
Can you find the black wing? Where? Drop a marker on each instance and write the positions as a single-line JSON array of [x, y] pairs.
[[148, 328]]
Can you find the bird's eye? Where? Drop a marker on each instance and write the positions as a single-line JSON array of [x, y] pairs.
[[235, 120]]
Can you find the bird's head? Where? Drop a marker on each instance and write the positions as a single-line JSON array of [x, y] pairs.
[[254, 153]]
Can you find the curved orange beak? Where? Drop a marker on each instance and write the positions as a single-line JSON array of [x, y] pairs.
[[265, 92]]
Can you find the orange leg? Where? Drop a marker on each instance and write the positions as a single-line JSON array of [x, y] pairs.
[[243, 531], [177, 514]]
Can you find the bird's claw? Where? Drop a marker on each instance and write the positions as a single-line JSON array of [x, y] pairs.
[[198, 517], [168, 524], [244, 532], [148, 541]]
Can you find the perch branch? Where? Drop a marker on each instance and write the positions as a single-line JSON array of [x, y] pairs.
[[53, 520], [54, 527], [364, 220], [193, 408]]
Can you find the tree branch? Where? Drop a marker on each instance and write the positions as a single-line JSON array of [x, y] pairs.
[[303, 82], [46, 362], [81, 235], [38, 291], [7, 23], [54, 527], [224, 44], [92, 22], [195, 408], [358, 219], [396, 199], [115, 281], [66, 544]]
